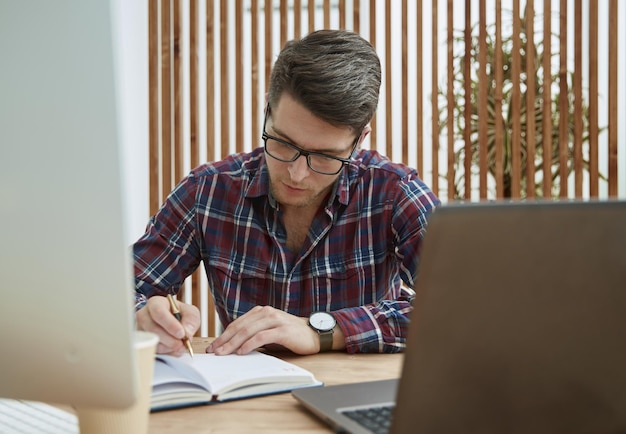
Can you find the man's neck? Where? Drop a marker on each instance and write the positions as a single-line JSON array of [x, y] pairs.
[[297, 221]]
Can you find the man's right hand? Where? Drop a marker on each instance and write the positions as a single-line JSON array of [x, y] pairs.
[[156, 317]]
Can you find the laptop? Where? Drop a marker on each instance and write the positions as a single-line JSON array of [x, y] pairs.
[[519, 326]]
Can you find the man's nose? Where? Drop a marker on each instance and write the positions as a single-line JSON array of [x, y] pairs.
[[299, 169]]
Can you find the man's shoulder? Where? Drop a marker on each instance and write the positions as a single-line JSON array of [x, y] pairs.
[[373, 161], [234, 165], [377, 173]]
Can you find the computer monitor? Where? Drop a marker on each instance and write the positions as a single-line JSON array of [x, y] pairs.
[[66, 315]]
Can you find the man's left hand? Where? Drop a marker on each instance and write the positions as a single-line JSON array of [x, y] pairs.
[[264, 326]]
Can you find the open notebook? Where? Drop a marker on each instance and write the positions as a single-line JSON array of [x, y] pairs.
[[519, 326], [209, 379]]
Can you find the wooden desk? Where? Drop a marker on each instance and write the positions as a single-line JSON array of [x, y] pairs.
[[276, 413]]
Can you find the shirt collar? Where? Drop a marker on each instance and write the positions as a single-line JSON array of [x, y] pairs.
[[348, 177], [256, 170]]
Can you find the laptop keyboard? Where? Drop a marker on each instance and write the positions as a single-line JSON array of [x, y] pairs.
[[17, 417], [375, 419]]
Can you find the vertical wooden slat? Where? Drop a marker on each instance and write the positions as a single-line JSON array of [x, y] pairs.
[[356, 16], [563, 102], [547, 99], [239, 64], [210, 79], [403, 93], [593, 100], [388, 77], [311, 12], [613, 54], [224, 81], [178, 94], [467, 109], [419, 88], [283, 21], [166, 100], [297, 18], [516, 128], [450, 99], [342, 14], [194, 86], [482, 100], [210, 123], [434, 99], [499, 121], [154, 199], [268, 41], [372, 25], [327, 14], [531, 131], [578, 95], [254, 68]]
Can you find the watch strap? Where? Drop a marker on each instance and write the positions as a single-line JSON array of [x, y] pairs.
[[326, 340]]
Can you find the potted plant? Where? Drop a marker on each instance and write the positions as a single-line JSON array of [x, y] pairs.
[[507, 113]]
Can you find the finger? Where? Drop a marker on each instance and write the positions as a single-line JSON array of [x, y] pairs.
[[259, 340], [157, 318], [228, 343], [159, 309], [190, 318], [229, 332], [244, 328]]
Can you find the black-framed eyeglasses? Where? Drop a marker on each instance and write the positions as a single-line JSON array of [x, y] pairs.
[[287, 152]]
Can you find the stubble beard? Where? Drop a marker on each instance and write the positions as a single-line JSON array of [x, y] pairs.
[[313, 198]]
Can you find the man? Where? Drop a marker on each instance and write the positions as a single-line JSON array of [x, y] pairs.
[[306, 241]]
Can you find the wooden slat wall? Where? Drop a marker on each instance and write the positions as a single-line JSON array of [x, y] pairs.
[[226, 48]]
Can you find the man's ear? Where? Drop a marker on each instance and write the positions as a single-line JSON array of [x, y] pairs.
[[366, 130]]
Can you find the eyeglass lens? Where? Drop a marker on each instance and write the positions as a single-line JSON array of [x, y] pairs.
[[319, 163]]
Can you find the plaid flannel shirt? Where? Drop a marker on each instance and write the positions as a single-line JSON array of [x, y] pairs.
[[359, 261]]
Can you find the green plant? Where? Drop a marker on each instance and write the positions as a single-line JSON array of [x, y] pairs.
[[507, 113]]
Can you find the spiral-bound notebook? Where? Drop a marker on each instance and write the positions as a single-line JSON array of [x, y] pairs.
[[519, 326]]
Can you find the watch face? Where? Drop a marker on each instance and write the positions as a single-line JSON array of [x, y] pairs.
[[322, 321]]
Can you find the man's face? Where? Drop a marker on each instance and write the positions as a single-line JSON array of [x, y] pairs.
[[294, 184]]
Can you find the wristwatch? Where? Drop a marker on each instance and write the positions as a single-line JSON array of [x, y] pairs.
[[324, 324]]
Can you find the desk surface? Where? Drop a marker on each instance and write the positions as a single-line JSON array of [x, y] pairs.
[[276, 413]]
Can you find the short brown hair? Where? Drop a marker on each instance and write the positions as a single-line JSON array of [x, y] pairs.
[[335, 74]]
